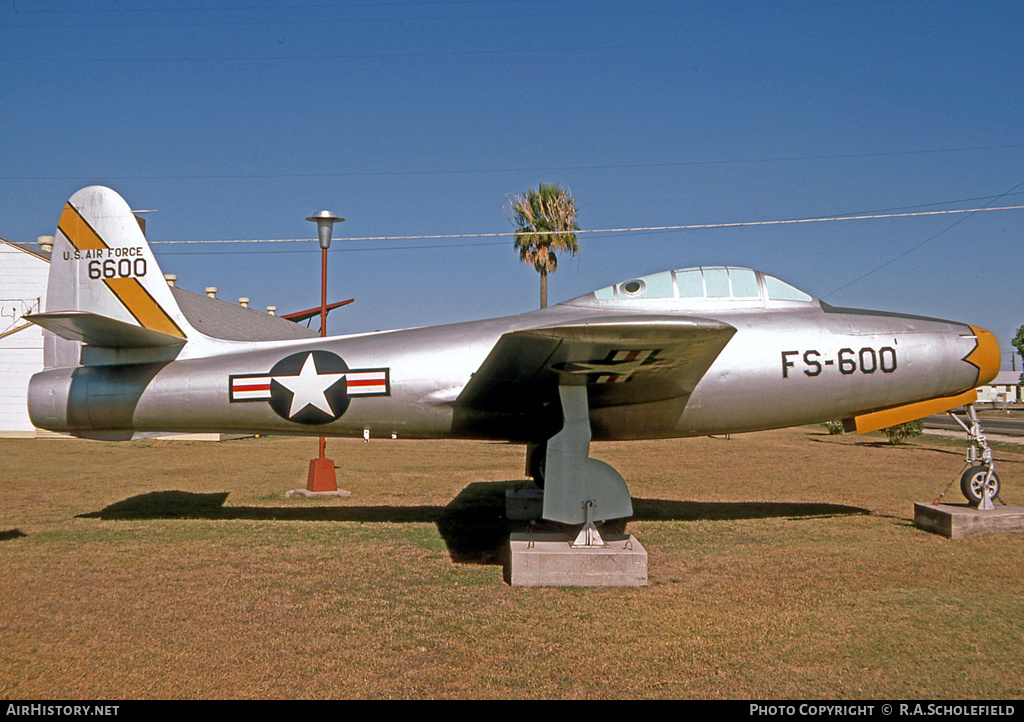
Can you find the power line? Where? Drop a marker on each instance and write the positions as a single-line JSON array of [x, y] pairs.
[[548, 169], [922, 243], [647, 44], [638, 229], [417, 5]]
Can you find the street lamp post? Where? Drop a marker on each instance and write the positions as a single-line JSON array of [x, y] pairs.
[[321, 470]]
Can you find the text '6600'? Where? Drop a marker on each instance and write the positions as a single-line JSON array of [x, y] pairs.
[[117, 268]]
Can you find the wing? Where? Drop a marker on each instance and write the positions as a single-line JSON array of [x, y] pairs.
[[639, 372]]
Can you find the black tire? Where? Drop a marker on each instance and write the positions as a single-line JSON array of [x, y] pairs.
[[536, 456], [972, 481], [538, 476]]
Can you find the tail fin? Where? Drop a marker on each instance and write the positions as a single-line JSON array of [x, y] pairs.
[[105, 288]]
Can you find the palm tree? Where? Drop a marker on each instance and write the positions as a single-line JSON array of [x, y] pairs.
[[544, 220]]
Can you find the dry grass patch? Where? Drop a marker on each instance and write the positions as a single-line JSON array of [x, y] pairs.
[[782, 565]]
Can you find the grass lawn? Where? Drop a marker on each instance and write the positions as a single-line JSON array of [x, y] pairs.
[[782, 565]]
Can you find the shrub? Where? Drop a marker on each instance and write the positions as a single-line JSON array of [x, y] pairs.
[[901, 432], [834, 427]]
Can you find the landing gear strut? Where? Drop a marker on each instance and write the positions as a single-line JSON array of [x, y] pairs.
[[578, 490], [979, 483]]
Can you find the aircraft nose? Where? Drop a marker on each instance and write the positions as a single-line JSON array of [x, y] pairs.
[[985, 355]]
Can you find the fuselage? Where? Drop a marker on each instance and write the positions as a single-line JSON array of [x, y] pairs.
[[790, 360]]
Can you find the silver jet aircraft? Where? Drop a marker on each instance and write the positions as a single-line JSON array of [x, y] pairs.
[[697, 351]]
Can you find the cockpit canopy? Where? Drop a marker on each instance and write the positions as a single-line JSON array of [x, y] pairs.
[[705, 285]]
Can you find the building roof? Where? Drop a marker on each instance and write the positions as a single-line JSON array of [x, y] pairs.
[[32, 250], [1005, 378], [233, 322], [212, 316]]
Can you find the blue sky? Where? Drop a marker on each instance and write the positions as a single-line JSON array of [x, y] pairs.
[[236, 121]]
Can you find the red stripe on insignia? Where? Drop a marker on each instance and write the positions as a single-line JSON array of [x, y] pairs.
[[367, 383], [251, 387]]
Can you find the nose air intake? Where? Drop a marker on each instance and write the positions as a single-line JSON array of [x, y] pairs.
[[985, 355]]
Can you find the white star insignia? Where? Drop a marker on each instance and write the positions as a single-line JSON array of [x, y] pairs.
[[308, 388]]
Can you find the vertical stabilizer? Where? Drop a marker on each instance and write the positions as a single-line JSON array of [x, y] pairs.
[[105, 288]]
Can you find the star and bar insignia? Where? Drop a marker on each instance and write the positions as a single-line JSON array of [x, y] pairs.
[[617, 367], [311, 387]]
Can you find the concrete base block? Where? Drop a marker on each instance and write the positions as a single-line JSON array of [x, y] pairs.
[[315, 494], [957, 521], [524, 504], [548, 560]]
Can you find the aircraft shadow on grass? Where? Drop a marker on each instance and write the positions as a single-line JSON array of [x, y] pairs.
[[473, 525]]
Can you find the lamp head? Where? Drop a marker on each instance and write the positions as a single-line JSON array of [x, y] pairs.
[[324, 226]]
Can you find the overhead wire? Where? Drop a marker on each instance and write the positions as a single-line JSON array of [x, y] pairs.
[[924, 242], [635, 229], [541, 169], [418, 4], [648, 44]]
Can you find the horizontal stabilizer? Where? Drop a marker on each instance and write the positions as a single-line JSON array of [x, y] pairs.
[[96, 330], [912, 412]]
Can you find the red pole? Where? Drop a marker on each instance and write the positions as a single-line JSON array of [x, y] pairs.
[[323, 318], [321, 471], [323, 292]]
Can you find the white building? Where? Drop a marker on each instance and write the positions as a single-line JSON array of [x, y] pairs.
[[23, 271], [1003, 389], [23, 276]]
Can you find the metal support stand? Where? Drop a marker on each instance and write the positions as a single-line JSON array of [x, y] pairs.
[[578, 489], [589, 537], [980, 485], [978, 454]]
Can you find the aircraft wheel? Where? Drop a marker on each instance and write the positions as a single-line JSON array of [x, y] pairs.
[[972, 481], [536, 456], [538, 475]]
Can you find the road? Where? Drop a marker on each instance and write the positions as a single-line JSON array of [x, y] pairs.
[[993, 425]]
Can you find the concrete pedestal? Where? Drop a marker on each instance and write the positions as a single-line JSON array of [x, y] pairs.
[[547, 560], [316, 494], [956, 521]]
